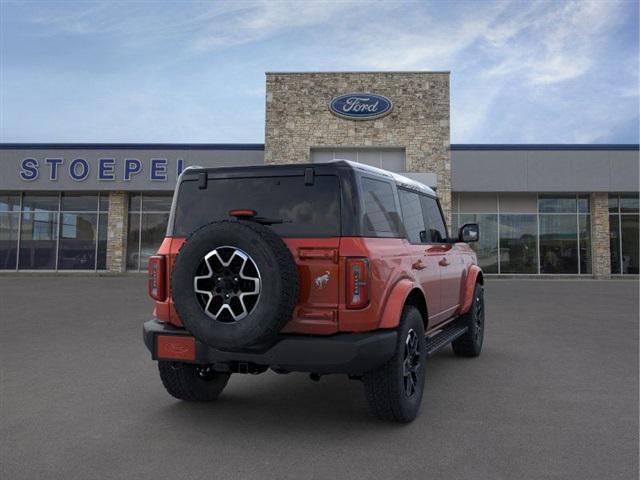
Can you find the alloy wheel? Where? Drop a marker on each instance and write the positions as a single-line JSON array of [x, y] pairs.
[[227, 284], [479, 316], [411, 363]]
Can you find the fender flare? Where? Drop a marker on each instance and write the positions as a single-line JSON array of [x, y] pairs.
[[395, 303], [474, 275]]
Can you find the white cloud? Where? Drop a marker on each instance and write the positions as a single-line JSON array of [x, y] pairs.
[[545, 43], [418, 39], [262, 20], [521, 71]]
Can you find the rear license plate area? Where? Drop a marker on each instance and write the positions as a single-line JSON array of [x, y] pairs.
[[174, 347]]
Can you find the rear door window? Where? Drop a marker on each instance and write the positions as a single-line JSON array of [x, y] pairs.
[[436, 229], [412, 217], [380, 214], [305, 210]]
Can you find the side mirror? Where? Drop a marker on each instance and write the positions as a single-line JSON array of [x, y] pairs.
[[469, 232]]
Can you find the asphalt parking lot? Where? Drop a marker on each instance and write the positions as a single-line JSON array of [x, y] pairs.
[[554, 395]]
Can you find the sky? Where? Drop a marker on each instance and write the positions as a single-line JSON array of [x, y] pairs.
[[179, 71]]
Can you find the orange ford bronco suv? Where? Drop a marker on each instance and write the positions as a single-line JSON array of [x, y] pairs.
[[320, 268]]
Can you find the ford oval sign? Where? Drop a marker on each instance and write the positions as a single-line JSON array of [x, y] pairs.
[[360, 106]]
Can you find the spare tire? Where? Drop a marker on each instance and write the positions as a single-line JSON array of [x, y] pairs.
[[234, 284]]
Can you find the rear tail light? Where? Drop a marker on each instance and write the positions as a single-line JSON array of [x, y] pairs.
[[157, 277], [357, 282]]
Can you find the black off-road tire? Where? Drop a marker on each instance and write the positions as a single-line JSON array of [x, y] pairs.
[[193, 383], [470, 344], [386, 387], [278, 276]]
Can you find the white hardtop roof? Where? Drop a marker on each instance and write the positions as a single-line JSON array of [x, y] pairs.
[[401, 179]]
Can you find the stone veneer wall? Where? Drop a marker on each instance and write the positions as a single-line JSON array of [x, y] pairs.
[[117, 231], [298, 119], [600, 247]]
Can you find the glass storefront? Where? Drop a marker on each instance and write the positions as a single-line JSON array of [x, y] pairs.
[[9, 230], [148, 217], [518, 243], [584, 243], [520, 233], [53, 231], [529, 233], [558, 244], [487, 247], [623, 233]]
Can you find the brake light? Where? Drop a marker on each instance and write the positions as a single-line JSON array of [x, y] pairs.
[[157, 276], [242, 213], [357, 282]]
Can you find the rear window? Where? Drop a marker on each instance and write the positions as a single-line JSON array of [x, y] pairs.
[[306, 210]]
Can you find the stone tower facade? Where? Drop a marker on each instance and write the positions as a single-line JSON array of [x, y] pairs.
[[299, 120]]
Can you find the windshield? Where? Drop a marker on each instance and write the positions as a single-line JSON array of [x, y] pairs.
[[305, 210]]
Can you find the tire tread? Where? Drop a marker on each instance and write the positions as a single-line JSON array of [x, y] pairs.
[[464, 345], [382, 389], [181, 381]]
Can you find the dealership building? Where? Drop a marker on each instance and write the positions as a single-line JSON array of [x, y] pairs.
[[542, 209]]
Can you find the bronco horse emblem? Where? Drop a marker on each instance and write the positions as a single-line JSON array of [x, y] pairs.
[[322, 280]]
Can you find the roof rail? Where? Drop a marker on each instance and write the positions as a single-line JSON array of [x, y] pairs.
[[398, 178]]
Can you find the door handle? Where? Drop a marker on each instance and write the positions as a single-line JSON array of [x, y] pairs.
[[418, 265], [444, 262], [437, 249]]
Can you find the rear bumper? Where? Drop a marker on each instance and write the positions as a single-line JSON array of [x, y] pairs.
[[351, 353]]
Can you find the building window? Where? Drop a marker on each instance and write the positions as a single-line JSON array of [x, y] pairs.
[[487, 247], [623, 233], [9, 229], [518, 243], [39, 231], [584, 243], [53, 231], [565, 239], [83, 232], [148, 217], [528, 233], [558, 244], [557, 204]]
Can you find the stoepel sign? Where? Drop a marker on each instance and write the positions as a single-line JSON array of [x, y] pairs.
[[107, 169], [360, 106]]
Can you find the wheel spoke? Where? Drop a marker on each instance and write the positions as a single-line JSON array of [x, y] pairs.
[[410, 385], [199, 289]]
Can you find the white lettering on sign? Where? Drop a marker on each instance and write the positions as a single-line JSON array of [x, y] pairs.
[[354, 104], [360, 106]]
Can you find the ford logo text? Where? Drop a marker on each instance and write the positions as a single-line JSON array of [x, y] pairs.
[[360, 106]]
